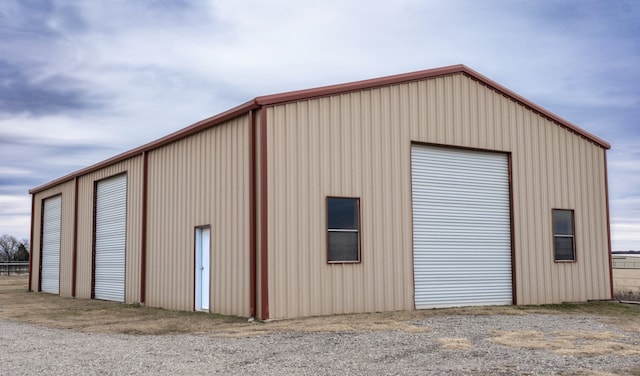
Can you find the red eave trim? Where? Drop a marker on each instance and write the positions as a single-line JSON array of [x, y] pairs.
[[326, 91], [194, 128], [534, 107], [421, 75], [357, 85]]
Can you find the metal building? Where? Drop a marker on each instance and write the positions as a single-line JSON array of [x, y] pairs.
[[435, 188]]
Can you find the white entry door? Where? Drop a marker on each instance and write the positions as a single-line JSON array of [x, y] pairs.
[[203, 247]]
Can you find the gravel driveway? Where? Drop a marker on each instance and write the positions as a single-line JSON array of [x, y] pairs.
[[543, 344]]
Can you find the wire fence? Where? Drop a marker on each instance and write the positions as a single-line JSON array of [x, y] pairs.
[[9, 268]]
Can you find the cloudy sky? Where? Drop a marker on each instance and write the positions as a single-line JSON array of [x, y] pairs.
[[81, 81]]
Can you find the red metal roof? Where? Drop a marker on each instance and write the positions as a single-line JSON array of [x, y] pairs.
[[292, 96]]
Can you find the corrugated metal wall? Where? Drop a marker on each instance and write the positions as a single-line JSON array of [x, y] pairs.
[[358, 144], [200, 180], [133, 168], [337, 146], [67, 191]]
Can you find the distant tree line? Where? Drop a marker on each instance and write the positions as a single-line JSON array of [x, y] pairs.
[[13, 250], [625, 252]]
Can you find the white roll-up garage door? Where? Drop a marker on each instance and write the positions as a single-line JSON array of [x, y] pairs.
[[51, 229], [110, 238], [461, 227]]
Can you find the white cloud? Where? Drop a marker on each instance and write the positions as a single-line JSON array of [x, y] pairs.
[[14, 216], [144, 69], [625, 234]]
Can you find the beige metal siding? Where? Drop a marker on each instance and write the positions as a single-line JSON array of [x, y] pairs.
[[133, 169], [358, 144], [66, 190], [333, 146], [200, 180]]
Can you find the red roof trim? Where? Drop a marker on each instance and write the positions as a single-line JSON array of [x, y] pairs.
[[321, 92], [534, 107], [421, 75], [194, 128], [357, 85]]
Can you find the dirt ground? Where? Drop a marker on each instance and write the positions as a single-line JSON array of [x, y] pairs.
[[95, 316], [599, 338]]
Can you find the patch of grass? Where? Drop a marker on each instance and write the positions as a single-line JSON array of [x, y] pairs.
[[85, 315], [629, 295], [625, 316], [587, 372], [17, 304], [455, 343], [567, 342], [633, 372]]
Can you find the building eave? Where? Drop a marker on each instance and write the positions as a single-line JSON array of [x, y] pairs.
[[292, 96], [182, 133], [421, 75]]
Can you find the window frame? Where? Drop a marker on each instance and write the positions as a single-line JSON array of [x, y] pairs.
[[329, 230], [572, 235]]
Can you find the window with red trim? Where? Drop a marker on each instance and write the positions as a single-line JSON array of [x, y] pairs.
[[343, 229]]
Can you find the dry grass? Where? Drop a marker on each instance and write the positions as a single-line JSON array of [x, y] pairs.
[[584, 372], [455, 343], [626, 284], [17, 304], [567, 342], [588, 373]]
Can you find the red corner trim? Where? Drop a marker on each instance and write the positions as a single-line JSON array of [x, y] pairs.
[[606, 193], [33, 212], [74, 265], [264, 265], [143, 235], [252, 214]]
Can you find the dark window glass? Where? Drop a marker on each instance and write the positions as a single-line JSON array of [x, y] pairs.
[[343, 246], [342, 213], [563, 222], [343, 226], [564, 249], [563, 235]]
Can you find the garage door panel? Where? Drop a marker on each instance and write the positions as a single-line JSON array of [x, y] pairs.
[[461, 227], [110, 238], [51, 233]]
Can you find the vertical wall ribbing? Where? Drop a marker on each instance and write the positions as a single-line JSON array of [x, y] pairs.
[[197, 181], [358, 144]]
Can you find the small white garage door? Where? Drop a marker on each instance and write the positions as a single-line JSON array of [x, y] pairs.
[[110, 238], [51, 222], [461, 227]]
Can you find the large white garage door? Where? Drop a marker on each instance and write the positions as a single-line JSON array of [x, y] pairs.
[[51, 225], [110, 232], [461, 227]]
